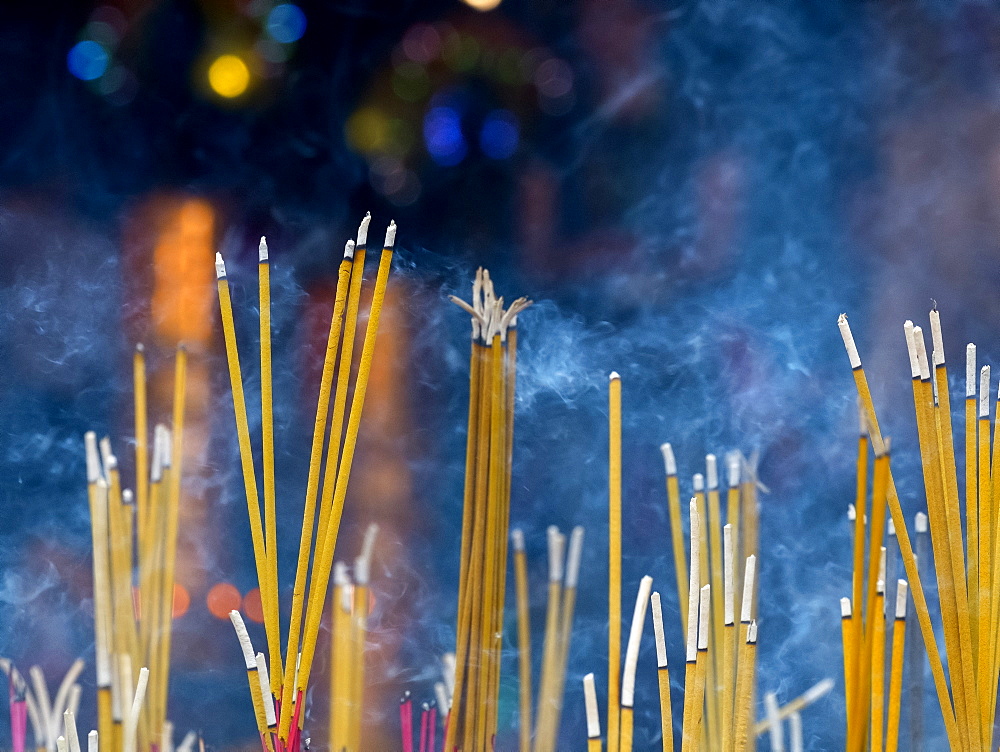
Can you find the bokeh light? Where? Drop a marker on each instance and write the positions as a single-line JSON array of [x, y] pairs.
[[410, 82], [499, 135], [87, 60], [366, 130], [182, 600], [229, 76], [483, 5], [252, 606], [443, 136], [286, 23], [221, 599]]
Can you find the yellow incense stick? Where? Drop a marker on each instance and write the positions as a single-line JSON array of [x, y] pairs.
[[614, 555], [270, 608], [896, 670], [593, 716], [312, 482], [662, 675], [676, 530], [744, 688]]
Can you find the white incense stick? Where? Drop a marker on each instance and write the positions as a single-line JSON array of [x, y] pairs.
[[132, 721], [729, 606], [694, 584]]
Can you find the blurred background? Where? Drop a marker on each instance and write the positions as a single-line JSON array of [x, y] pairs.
[[690, 190]]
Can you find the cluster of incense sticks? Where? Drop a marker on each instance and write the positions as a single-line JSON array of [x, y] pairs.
[[134, 539], [50, 716], [967, 570], [483, 564], [720, 669], [332, 454], [347, 647], [563, 578], [865, 637], [427, 740]]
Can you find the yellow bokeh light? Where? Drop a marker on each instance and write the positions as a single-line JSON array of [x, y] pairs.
[[228, 76], [483, 5]]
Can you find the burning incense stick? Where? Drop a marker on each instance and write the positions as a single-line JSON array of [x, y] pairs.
[[662, 676], [632, 661], [593, 715], [545, 730], [676, 529], [614, 556], [523, 640], [896, 670]]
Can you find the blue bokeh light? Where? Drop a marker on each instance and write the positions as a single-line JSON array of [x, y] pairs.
[[500, 135], [286, 23], [87, 60], [443, 136]]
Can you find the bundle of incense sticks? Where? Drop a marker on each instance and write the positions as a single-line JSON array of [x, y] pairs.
[[719, 677], [347, 647], [967, 570], [134, 540], [725, 543], [483, 559], [46, 713], [563, 578], [289, 674]]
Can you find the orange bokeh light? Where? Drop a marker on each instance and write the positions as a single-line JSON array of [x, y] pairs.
[[221, 599], [182, 600], [252, 606]]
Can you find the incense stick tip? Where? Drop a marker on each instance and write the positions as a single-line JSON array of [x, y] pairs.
[[984, 392], [220, 266], [920, 522], [517, 538], [390, 235], [901, 591], [845, 608], [574, 557], [262, 250], [848, 337], [669, 461], [698, 481], [349, 250], [936, 339], [712, 471], [970, 370], [92, 456], [852, 513], [363, 230], [614, 376]]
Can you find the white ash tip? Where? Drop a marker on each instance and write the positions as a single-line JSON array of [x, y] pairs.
[[669, 461], [733, 469], [848, 337], [660, 639], [937, 340], [557, 545], [970, 370], [901, 591], [363, 229], [349, 249], [698, 481], [911, 349], [92, 456], [139, 347], [517, 538], [852, 512], [984, 392], [243, 636], [574, 557], [340, 578], [614, 376], [845, 608], [752, 632], [590, 704], [390, 235], [817, 690], [749, 576], [712, 471], [920, 522], [262, 249], [128, 497], [220, 266], [891, 527], [703, 616], [921, 347]]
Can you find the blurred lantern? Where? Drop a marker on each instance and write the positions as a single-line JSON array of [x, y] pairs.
[[252, 606], [229, 76], [87, 60], [181, 600], [286, 23]]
